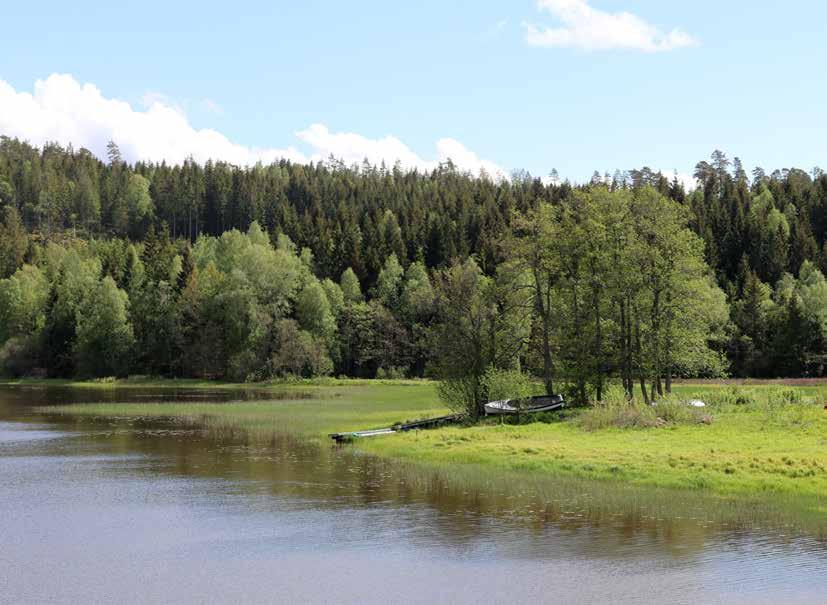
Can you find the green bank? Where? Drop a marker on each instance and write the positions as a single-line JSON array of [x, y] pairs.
[[762, 444]]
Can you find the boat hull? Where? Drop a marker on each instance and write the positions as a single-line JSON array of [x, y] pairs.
[[533, 405]]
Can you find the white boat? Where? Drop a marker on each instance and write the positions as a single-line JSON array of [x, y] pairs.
[[532, 405]]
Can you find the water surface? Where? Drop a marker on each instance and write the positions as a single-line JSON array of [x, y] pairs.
[[137, 511]]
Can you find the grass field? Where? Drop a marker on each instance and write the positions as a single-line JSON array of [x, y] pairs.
[[765, 442]]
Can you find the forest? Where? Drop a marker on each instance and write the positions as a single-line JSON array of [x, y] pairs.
[[109, 268]]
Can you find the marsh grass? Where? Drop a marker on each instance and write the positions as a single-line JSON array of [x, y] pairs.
[[577, 501], [764, 455], [616, 411], [304, 408]]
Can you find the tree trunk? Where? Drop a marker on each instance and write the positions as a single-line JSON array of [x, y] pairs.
[[598, 345], [624, 351], [545, 313], [640, 366]]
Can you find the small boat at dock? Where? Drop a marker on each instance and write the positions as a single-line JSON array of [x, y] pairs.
[[531, 405]]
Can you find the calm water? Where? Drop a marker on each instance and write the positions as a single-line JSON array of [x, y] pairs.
[[136, 512]]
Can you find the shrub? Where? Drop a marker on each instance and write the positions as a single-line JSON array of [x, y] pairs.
[[460, 394], [298, 353], [728, 397], [507, 384], [785, 396], [391, 373], [18, 356], [616, 411]]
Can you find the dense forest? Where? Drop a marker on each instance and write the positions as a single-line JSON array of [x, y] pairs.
[[108, 268]]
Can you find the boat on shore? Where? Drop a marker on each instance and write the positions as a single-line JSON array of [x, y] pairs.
[[531, 405]]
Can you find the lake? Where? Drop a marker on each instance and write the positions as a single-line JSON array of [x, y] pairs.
[[153, 511]]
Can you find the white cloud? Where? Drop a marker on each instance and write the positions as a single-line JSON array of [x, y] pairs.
[[353, 148], [687, 180], [63, 110], [587, 28]]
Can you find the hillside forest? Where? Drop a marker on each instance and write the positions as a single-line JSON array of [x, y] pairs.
[[252, 273]]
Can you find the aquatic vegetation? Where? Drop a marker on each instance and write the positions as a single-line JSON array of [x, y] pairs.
[[764, 449]]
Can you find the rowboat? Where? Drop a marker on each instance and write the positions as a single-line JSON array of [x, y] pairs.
[[532, 405]]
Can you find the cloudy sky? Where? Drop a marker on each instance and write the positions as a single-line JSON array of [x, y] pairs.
[[576, 85]]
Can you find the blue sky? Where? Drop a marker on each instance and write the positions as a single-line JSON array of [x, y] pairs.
[[746, 77]]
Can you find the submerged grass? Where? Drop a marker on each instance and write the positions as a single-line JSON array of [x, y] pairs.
[[317, 408], [574, 500], [753, 452]]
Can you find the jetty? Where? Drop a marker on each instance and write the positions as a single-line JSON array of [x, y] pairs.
[[428, 423]]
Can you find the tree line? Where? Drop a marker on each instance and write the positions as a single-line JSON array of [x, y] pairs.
[[247, 273]]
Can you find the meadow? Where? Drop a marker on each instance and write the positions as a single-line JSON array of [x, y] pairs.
[[758, 443]]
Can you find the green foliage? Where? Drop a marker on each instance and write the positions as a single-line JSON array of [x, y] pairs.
[[23, 299], [417, 297], [391, 373], [104, 333], [139, 202], [389, 282], [335, 296], [478, 326], [507, 384], [350, 287], [314, 312], [617, 411], [13, 242], [297, 353], [621, 277]]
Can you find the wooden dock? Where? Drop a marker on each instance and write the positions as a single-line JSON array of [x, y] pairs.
[[428, 423]]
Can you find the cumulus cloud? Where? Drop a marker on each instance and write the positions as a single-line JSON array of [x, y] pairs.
[[63, 110], [353, 148], [587, 28]]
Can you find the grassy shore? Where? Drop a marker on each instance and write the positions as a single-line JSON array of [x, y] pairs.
[[764, 442], [311, 408]]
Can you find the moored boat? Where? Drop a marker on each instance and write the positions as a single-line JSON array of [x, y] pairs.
[[531, 405]]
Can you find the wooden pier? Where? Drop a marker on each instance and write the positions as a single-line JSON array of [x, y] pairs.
[[428, 423]]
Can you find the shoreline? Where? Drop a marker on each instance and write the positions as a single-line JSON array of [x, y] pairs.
[[756, 458]]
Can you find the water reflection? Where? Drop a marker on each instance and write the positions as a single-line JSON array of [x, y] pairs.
[[86, 494]]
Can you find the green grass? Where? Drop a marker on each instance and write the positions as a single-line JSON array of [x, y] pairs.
[[150, 382], [766, 446], [741, 452], [309, 408]]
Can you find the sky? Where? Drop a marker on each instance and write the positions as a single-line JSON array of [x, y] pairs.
[[499, 85]]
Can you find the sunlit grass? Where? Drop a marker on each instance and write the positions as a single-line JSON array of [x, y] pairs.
[[765, 449], [318, 409]]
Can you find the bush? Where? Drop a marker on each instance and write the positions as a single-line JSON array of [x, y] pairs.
[[391, 373], [784, 396], [298, 353], [729, 397], [460, 394], [18, 356], [507, 384], [616, 411]]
